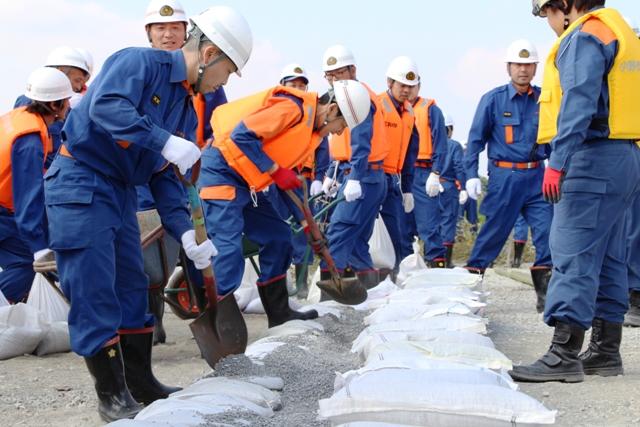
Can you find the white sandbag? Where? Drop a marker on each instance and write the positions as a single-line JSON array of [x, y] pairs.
[[272, 383], [248, 291], [437, 277], [411, 264], [366, 342], [314, 290], [22, 327], [324, 308], [56, 340], [293, 327], [469, 354], [444, 323], [435, 404], [381, 246], [377, 296], [254, 307], [251, 392], [51, 304], [3, 300], [466, 296], [258, 350], [409, 310]]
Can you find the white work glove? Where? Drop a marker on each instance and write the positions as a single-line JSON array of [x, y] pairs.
[[329, 188], [41, 254], [180, 152], [352, 190], [200, 254], [407, 202], [464, 196], [316, 188], [474, 188], [433, 186]]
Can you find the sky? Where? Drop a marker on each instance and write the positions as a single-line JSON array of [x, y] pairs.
[[459, 46]]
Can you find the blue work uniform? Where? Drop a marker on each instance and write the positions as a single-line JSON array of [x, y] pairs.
[[633, 245], [23, 231], [507, 121], [469, 211], [521, 230], [55, 129], [240, 210], [601, 181], [351, 223], [427, 209], [112, 142], [452, 179]]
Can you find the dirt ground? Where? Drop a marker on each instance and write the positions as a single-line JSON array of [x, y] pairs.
[[57, 390]]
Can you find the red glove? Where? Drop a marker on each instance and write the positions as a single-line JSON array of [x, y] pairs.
[[286, 179], [551, 185]]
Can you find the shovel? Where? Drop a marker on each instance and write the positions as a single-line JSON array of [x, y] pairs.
[[219, 330], [343, 290]]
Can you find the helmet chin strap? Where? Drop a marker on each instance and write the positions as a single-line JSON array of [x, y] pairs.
[[202, 68]]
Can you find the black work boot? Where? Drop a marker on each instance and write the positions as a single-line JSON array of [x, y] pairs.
[[156, 307], [474, 270], [449, 256], [437, 263], [275, 300], [369, 278], [540, 278], [602, 357], [114, 399], [324, 275], [632, 318], [136, 352], [518, 249], [302, 280], [560, 362]]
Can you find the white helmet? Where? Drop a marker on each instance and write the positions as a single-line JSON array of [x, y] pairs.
[[337, 56], [404, 70], [448, 119], [48, 84], [88, 59], [69, 57], [160, 11], [633, 24], [353, 101], [228, 30], [292, 72], [521, 52]]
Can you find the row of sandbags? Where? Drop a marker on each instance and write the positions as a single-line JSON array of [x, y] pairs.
[[427, 360], [38, 326]]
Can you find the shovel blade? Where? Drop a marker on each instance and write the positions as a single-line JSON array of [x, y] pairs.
[[347, 291], [220, 331]]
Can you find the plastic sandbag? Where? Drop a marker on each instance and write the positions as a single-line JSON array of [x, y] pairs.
[[475, 355], [260, 349], [22, 327], [314, 290], [248, 291], [3, 300], [251, 392], [409, 310], [293, 327], [51, 304], [56, 340], [444, 323], [412, 263], [381, 246], [377, 296], [466, 296], [435, 404], [438, 277]]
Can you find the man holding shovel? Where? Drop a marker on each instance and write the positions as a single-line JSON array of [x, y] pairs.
[[130, 123]]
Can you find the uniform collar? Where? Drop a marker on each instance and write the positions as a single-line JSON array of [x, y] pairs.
[[398, 106], [178, 67], [513, 91]]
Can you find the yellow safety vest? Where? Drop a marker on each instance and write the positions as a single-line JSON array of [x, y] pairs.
[[623, 79]]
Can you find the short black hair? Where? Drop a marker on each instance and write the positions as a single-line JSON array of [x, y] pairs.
[[329, 98], [585, 5], [43, 108]]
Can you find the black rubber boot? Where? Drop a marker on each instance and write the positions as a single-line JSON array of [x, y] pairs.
[[518, 249], [369, 278], [156, 307], [602, 357], [540, 278], [561, 361], [114, 399], [632, 318], [275, 300], [437, 263], [302, 280], [324, 275], [474, 270], [136, 352], [449, 257]]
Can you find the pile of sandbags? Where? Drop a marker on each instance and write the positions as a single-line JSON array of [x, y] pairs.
[[427, 360]]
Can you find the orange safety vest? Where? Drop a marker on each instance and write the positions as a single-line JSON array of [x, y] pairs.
[[13, 125], [200, 106], [340, 145], [288, 149], [398, 130], [421, 111]]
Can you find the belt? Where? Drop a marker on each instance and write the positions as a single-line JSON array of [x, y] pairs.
[[64, 152], [5, 211], [371, 167], [423, 163], [516, 165]]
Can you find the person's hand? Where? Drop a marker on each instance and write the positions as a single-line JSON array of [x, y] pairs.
[[329, 188], [41, 253], [286, 179], [180, 152], [316, 188], [551, 185], [352, 190], [200, 254], [474, 188], [463, 197], [407, 202], [433, 186]]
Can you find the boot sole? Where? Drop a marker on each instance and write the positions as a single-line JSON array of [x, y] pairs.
[[573, 378], [604, 372]]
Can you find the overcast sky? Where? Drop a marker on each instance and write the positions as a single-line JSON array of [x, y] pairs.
[[459, 45]]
